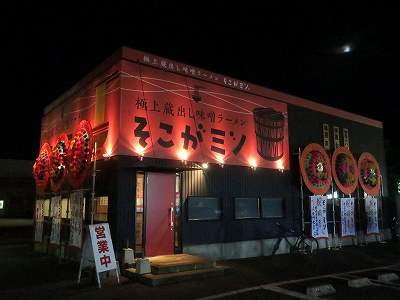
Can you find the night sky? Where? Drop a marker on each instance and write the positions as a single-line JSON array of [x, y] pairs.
[[343, 55]]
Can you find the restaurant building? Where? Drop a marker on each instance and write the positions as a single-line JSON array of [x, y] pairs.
[[177, 159]]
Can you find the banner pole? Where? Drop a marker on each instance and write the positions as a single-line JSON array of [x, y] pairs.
[[360, 223], [93, 183], [302, 196], [380, 210], [336, 237]]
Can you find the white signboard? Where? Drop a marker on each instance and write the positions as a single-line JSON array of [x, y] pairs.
[[76, 221], [319, 224], [371, 210], [102, 246], [39, 219], [56, 220], [98, 247], [347, 217]]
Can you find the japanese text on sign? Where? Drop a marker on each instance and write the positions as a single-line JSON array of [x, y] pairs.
[[103, 250], [319, 226]]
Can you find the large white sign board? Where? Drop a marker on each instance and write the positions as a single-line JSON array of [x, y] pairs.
[[98, 250]]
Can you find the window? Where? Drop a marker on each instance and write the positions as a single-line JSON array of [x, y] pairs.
[[246, 208], [204, 208], [272, 207], [101, 212]]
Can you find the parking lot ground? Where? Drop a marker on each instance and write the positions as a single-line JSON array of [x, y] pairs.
[[25, 274]]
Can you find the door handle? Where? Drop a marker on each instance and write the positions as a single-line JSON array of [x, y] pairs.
[[171, 216]]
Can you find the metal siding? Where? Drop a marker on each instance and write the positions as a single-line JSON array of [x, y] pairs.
[[227, 183]]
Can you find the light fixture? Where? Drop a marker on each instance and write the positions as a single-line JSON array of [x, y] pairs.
[[204, 165], [141, 157], [106, 156], [196, 96], [221, 165], [253, 164]]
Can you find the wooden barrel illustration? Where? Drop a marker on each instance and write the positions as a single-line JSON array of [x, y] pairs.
[[269, 125]]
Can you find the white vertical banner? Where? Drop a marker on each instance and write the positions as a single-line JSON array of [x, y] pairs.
[[327, 144], [346, 142], [371, 211], [76, 220], [319, 224], [39, 219], [348, 227], [56, 220], [336, 138]]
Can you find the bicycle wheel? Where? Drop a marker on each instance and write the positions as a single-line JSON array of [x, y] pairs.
[[308, 245]]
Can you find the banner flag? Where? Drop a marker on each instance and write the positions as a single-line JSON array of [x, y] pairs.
[[319, 226], [76, 221], [347, 217], [371, 211], [56, 220], [39, 219]]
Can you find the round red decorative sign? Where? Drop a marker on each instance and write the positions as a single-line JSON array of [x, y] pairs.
[[58, 162], [344, 170], [315, 169], [41, 169], [80, 153], [370, 177]]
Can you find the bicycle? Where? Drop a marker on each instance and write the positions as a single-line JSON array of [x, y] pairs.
[[301, 244]]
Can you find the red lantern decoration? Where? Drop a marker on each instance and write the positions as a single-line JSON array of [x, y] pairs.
[[370, 176], [315, 169], [58, 162], [80, 154], [344, 170], [41, 169]]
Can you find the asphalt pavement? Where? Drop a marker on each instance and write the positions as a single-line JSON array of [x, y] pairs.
[[25, 274]]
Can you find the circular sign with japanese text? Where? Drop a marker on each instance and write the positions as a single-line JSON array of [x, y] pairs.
[[41, 169], [315, 169], [58, 162], [344, 170], [80, 154], [370, 177]]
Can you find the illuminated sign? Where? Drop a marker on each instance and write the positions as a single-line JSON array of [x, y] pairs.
[[165, 115], [170, 111]]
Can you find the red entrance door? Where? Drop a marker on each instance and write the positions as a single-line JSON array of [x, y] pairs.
[[160, 195]]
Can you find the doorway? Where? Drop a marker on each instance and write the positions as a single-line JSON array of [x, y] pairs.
[[159, 216]]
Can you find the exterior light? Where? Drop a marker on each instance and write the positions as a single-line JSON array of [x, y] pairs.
[[107, 156], [253, 164]]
